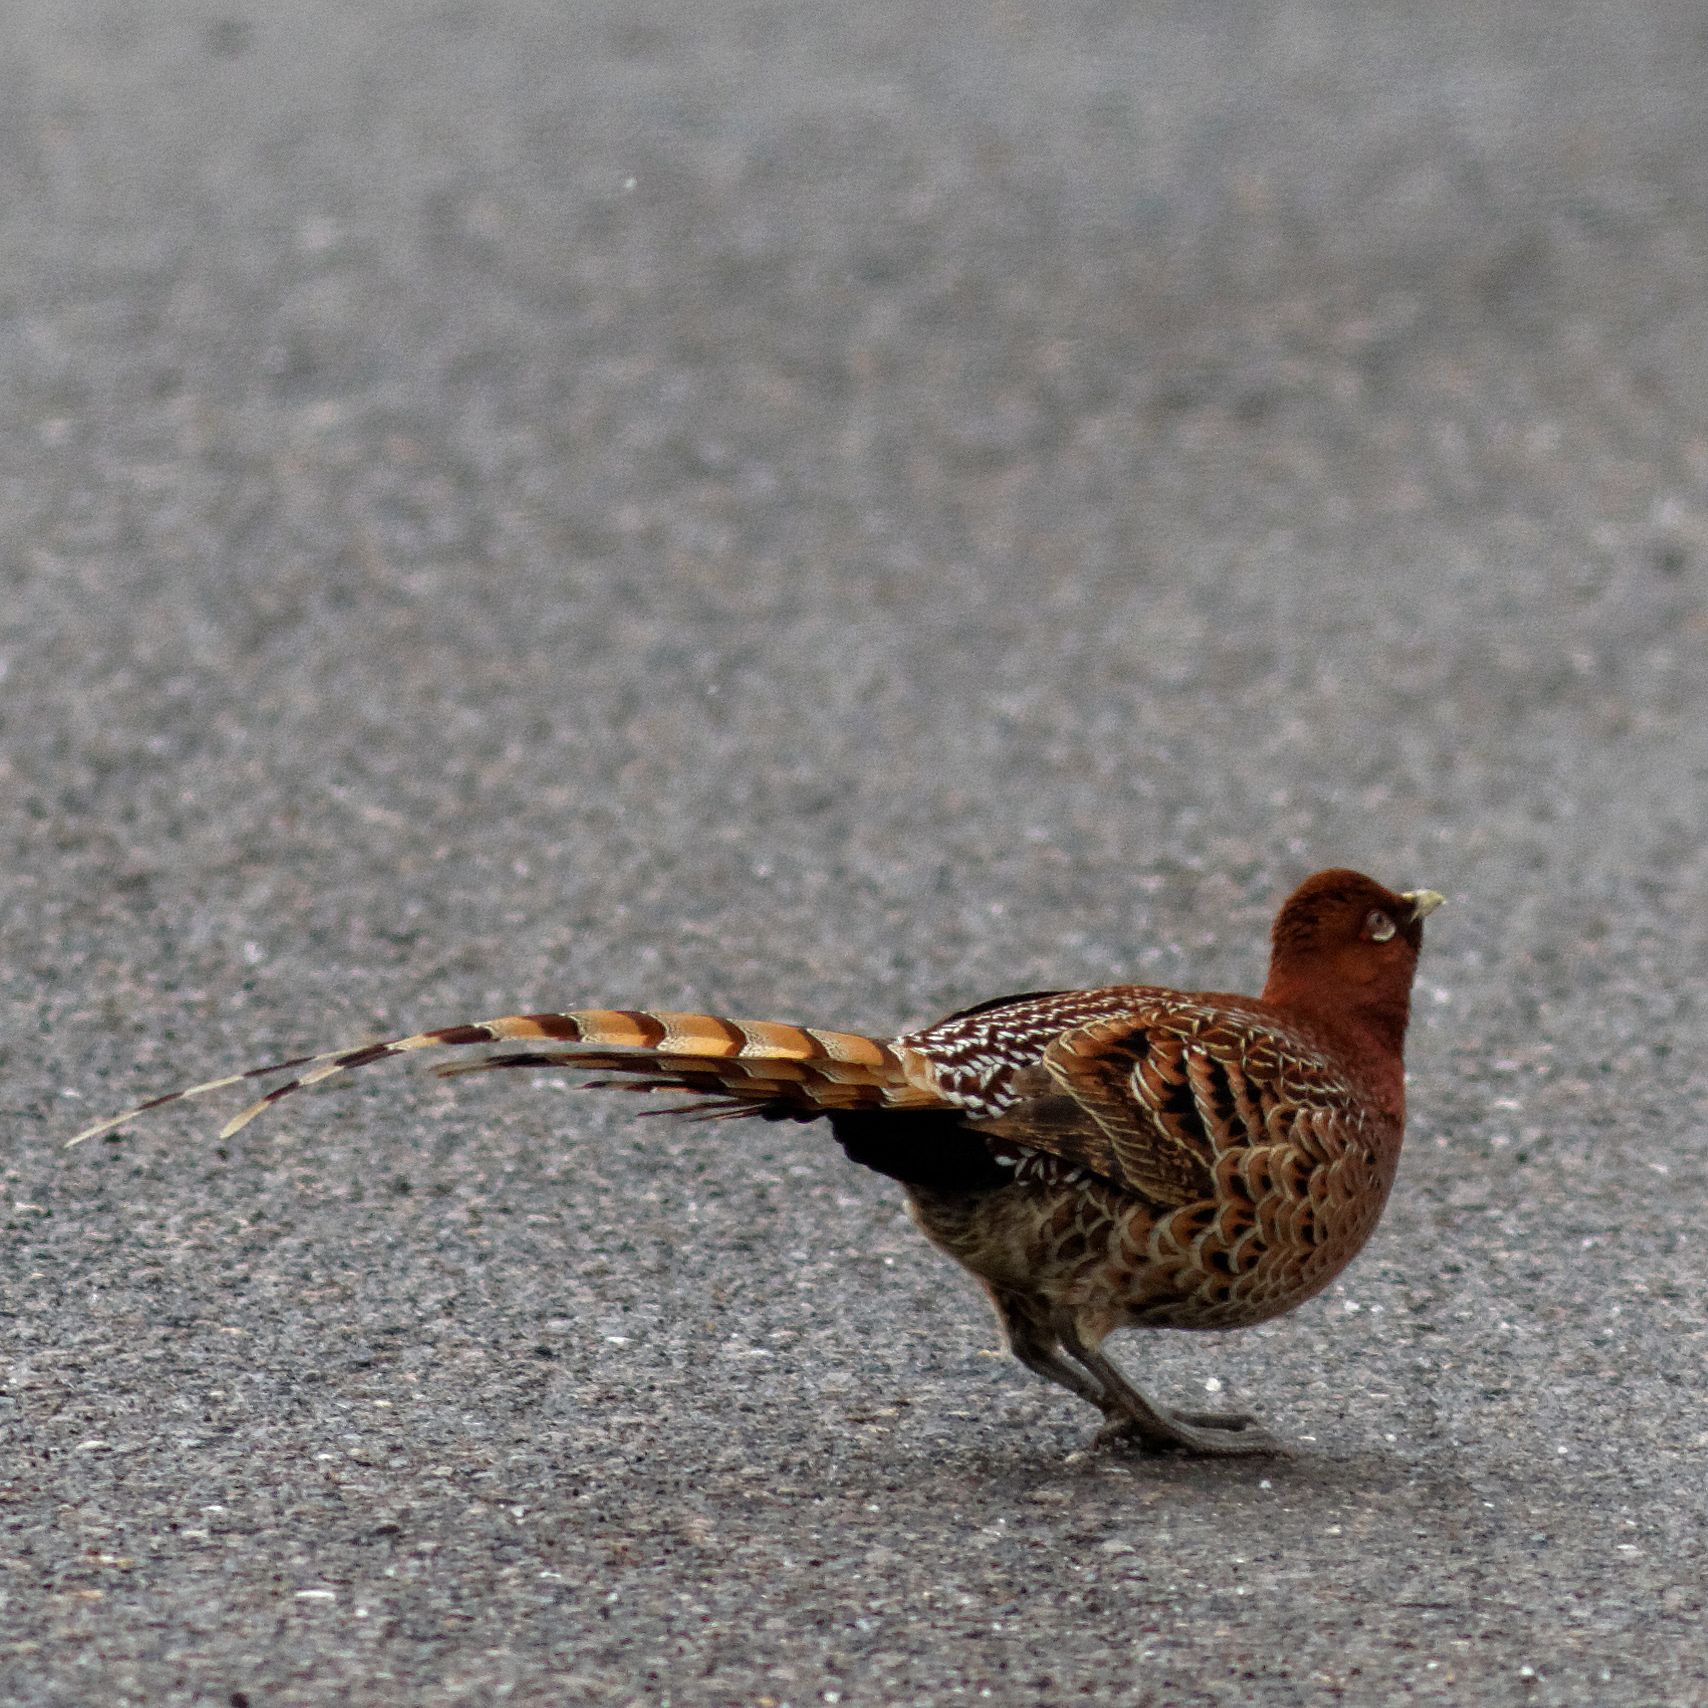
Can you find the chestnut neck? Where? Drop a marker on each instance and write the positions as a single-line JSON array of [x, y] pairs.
[[1367, 1026]]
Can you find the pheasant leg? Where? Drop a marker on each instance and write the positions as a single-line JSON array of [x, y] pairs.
[[1132, 1417], [1033, 1342]]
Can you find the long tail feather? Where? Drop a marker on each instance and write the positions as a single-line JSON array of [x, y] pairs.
[[723, 1057], [743, 1085]]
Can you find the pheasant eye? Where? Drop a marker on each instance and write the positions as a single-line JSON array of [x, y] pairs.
[[1379, 927]]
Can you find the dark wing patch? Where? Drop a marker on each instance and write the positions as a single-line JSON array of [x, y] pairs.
[[1001, 1002], [928, 1148]]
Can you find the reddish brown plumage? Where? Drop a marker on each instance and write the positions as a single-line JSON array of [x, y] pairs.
[[1128, 1156]]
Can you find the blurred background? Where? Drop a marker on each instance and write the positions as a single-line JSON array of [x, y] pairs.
[[831, 514]]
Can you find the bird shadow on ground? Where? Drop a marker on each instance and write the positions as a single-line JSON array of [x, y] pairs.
[[1028, 1472]]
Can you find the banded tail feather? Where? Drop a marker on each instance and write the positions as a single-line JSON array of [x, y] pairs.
[[747, 1063], [802, 1090]]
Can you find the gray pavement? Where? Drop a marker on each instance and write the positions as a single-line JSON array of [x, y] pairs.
[[833, 513]]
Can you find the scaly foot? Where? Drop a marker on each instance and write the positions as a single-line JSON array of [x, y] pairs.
[[1222, 1434]]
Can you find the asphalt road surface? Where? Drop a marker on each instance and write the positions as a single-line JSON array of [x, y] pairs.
[[832, 513]]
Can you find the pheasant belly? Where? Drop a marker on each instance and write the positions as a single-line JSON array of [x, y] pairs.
[[1087, 1249]]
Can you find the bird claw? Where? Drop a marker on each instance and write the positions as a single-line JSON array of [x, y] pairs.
[[1216, 1419], [1218, 1434]]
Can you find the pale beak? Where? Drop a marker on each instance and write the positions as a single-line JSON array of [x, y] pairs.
[[1423, 903]]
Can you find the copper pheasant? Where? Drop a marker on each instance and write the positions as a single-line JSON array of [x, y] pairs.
[[1123, 1157]]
